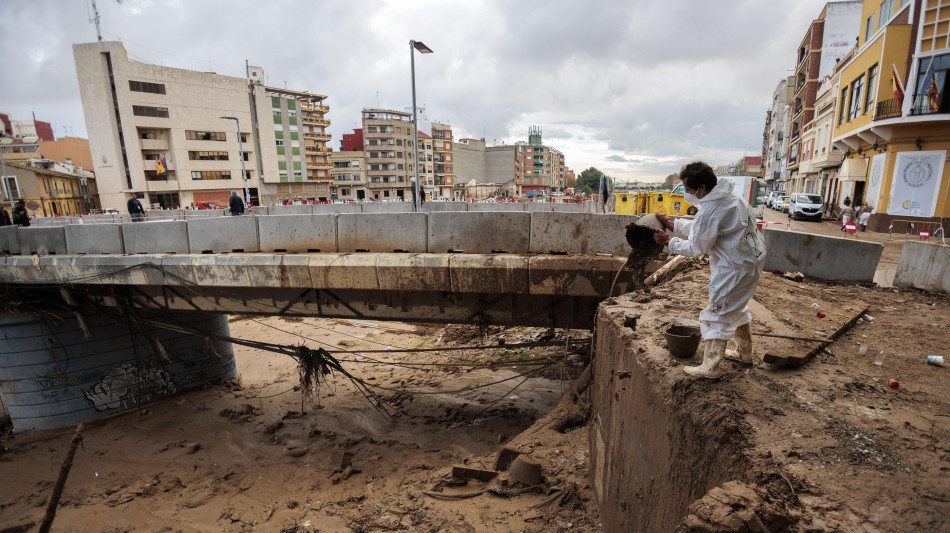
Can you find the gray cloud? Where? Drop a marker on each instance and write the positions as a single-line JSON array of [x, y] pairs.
[[635, 87]]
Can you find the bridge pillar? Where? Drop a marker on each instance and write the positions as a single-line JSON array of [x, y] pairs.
[[53, 374]]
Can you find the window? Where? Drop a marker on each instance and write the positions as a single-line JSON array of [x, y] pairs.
[[206, 135], [345, 192], [868, 27], [146, 87], [293, 128], [207, 156], [279, 142], [841, 102], [277, 112], [855, 108], [887, 9], [869, 94], [210, 174], [291, 114], [148, 135], [148, 111], [168, 200]]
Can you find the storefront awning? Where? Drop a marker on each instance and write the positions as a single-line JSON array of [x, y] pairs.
[[854, 169]]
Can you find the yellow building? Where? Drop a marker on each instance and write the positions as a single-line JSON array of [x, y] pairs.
[[52, 189], [895, 145]]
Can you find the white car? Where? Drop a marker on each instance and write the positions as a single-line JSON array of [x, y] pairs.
[[805, 206], [778, 201]]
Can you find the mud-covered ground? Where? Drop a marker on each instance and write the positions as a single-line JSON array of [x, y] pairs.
[[217, 459], [858, 454]]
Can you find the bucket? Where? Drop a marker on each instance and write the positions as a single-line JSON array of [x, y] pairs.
[[682, 341]]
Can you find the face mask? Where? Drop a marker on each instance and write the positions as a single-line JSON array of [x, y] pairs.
[[691, 198]]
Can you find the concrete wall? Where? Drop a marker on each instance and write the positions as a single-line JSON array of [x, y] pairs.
[[820, 257], [924, 266], [514, 232]]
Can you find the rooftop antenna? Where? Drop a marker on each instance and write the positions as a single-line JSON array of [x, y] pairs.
[[377, 100], [95, 20]]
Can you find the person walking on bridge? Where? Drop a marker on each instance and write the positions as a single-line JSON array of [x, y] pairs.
[[135, 209], [724, 228], [21, 217], [235, 204]]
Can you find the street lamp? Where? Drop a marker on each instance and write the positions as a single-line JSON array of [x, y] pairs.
[[247, 192], [423, 49]]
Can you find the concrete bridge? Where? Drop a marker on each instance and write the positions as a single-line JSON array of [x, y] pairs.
[[512, 268]]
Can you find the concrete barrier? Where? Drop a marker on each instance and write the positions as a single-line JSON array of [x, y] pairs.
[[386, 207], [297, 233], [497, 206], [302, 209], [390, 232], [336, 209], [162, 237], [258, 210], [94, 239], [47, 240], [579, 233], [479, 233], [223, 234], [924, 266], [435, 207], [9, 242], [821, 257]]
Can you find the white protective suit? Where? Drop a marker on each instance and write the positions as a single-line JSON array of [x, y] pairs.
[[724, 228]]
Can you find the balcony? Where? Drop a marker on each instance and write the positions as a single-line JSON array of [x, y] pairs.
[[887, 109], [317, 150], [827, 160], [319, 165], [315, 121], [315, 107], [922, 105], [318, 136], [154, 144]]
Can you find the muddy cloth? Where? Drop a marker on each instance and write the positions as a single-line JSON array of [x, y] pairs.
[[725, 229]]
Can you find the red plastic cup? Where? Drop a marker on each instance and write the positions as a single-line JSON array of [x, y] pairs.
[[821, 315], [893, 383]]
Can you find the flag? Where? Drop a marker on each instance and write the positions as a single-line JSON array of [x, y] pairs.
[[930, 88], [164, 165], [159, 166], [897, 85]]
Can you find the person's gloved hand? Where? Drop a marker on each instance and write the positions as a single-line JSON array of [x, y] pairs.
[[661, 238], [666, 221]]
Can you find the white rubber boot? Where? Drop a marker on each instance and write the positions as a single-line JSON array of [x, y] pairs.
[[712, 356], [743, 355]]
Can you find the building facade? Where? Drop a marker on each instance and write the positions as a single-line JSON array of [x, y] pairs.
[[387, 137], [51, 189], [827, 39], [895, 141], [177, 137], [775, 139], [349, 176]]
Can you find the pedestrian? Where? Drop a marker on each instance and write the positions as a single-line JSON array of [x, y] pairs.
[[20, 215], [865, 216], [135, 208], [724, 228], [846, 215], [5, 217], [235, 204]]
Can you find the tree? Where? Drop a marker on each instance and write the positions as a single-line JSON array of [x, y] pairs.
[[589, 180]]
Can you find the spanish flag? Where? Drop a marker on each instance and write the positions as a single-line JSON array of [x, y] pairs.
[[160, 165], [897, 85], [930, 88]]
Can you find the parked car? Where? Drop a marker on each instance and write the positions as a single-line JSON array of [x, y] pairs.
[[772, 196], [785, 204], [778, 201], [207, 205], [805, 207]]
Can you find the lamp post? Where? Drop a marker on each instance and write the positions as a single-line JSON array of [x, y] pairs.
[[413, 46], [247, 192]]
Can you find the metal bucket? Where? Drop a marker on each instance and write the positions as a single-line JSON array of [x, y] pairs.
[[52, 376], [682, 341]]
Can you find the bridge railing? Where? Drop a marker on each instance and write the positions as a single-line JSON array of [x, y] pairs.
[[434, 231]]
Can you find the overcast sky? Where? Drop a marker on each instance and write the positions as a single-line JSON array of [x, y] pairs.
[[636, 88]]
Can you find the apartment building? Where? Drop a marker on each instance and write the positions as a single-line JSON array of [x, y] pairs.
[[387, 137], [776, 134], [827, 39], [819, 159], [177, 137], [49, 188], [536, 168], [349, 175], [443, 162], [895, 142]]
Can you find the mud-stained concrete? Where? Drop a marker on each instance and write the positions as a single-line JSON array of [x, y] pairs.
[[825, 447]]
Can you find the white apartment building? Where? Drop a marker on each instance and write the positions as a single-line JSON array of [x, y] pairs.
[[138, 114], [349, 175]]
